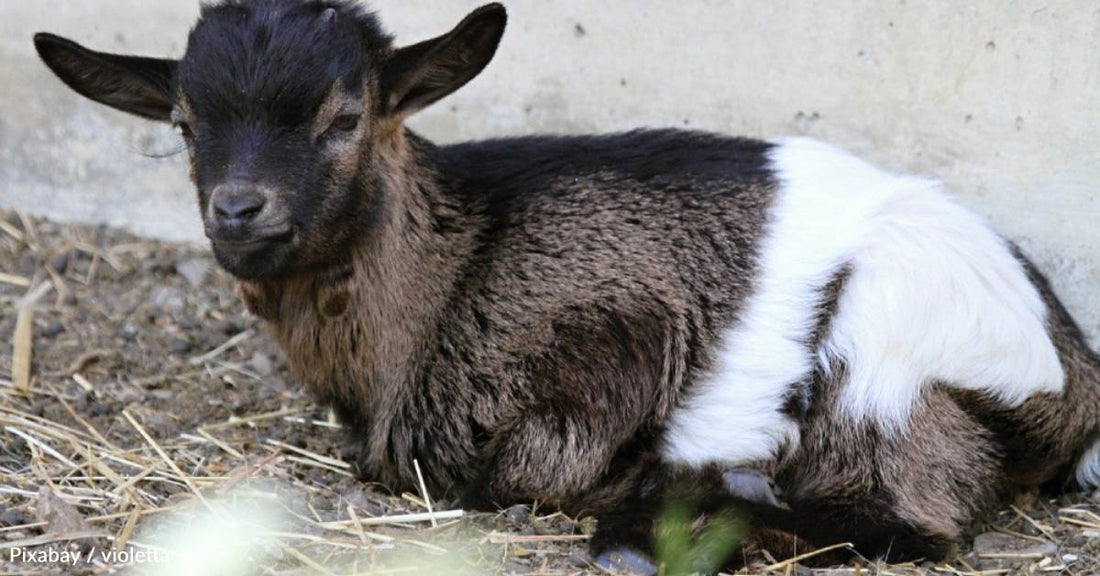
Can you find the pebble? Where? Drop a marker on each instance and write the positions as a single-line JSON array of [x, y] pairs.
[[227, 327], [160, 425], [102, 409], [993, 543], [194, 270], [162, 395], [13, 517], [517, 514], [580, 558], [180, 345], [1069, 557], [129, 332], [296, 439], [38, 408], [80, 402], [60, 262], [262, 364], [168, 297], [52, 329]]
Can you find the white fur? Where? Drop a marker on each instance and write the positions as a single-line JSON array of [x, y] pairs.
[[933, 296], [1088, 467]]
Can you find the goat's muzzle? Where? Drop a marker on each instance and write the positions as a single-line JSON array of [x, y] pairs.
[[247, 224], [244, 215]]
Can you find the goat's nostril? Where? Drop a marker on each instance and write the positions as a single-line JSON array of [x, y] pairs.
[[238, 207]]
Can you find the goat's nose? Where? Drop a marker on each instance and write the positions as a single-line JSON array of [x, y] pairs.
[[237, 205]]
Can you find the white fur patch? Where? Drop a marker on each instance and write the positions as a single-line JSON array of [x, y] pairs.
[[933, 295], [1088, 467]]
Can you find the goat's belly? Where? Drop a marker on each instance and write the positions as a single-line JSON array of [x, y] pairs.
[[928, 293]]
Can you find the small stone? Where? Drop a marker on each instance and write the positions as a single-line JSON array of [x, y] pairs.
[[160, 425], [194, 270], [52, 329], [996, 543], [296, 439], [60, 262], [517, 514], [580, 558], [80, 401], [180, 345], [168, 297], [102, 409], [130, 332], [262, 364], [62, 517], [129, 394], [1090, 534], [13, 517], [227, 327], [1069, 557], [162, 395]]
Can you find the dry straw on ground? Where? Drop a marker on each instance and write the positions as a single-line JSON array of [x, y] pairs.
[[142, 410]]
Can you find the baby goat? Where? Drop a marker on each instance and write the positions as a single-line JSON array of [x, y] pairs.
[[588, 321]]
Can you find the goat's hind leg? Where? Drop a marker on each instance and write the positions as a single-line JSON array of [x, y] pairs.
[[632, 531]]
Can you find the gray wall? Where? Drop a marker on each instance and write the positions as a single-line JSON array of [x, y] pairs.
[[998, 99]]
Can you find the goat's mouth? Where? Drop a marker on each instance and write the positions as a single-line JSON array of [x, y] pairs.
[[256, 239], [257, 256]]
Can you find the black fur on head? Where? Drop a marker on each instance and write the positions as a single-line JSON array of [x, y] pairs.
[[287, 108], [276, 60], [252, 84]]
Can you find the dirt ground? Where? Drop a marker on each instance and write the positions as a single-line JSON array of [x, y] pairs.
[[157, 404]]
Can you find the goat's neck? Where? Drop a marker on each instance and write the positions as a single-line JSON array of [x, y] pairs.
[[376, 314]]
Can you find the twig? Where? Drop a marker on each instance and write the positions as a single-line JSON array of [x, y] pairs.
[[1046, 530], [164, 456], [318, 457], [197, 360], [45, 448], [23, 347], [15, 280], [801, 557], [397, 519], [424, 492]]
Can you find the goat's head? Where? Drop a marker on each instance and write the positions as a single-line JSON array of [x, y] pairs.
[[288, 108]]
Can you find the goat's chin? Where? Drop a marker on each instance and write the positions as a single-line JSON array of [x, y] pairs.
[[271, 261]]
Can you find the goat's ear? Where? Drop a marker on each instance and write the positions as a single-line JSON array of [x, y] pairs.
[[134, 84], [418, 75]]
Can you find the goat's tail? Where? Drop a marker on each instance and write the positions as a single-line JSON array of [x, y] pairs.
[[1075, 417], [1083, 403]]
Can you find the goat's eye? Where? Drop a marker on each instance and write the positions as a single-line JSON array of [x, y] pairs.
[[346, 123], [185, 130]]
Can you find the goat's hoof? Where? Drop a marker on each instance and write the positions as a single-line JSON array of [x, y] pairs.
[[750, 486], [626, 561]]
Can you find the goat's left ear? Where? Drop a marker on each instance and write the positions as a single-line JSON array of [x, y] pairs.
[[418, 75], [134, 84]]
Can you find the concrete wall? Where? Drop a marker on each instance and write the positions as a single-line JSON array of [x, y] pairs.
[[998, 99]]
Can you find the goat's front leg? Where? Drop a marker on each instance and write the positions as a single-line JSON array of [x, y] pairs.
[[592, 400], [552, 456]]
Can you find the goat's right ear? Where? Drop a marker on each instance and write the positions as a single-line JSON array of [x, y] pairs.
[[417, 75], [134, 84]]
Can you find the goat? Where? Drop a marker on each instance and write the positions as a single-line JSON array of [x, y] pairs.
[[589, 321]]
